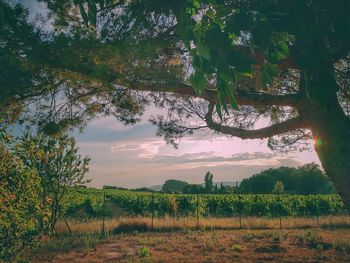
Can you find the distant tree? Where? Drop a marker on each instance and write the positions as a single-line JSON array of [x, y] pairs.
[[107, 187], [312, 180], [307, 179], [278, 188], [193, 189], [258, 184], [142, 189], [222, 188], [208, 182], [174, 186]]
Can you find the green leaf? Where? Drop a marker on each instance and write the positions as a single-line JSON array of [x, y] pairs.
[[225, 93], [92, 12], [184, 29], [196, 3], [218, 110], [198, 81], [268, 71], [234, 103], [226, 73], [203, 50], [83, 14], [215, 38]]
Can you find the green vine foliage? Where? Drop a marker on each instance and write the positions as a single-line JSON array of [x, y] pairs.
[[20, 209]]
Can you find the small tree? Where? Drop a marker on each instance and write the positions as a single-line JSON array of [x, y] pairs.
[[222, 188], [59, 166], [278, 188], [208, 182]]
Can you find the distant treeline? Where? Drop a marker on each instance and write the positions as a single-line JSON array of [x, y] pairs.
[[142, 189], [306, 179]]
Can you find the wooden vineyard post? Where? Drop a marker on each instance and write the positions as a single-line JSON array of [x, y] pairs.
[[103, 214], [279, 209], [239, 206], [65, 221], [316, 208], [197, 211], [240, 212], [152, 211]]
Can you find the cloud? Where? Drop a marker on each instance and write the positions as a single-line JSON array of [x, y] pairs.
[[142, 149], [134, 156], [109, 133]]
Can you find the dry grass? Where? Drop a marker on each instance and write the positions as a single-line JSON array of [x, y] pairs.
[[167, 224], [253, 245]]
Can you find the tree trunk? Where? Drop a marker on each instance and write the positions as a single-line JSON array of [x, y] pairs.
[[331, 131]]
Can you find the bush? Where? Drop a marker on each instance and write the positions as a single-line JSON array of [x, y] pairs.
[[130, 228], [20, 209]]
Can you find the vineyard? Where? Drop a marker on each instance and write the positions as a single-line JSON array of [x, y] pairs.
[[94, 203]]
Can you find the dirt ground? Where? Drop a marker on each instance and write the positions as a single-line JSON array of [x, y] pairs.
[[216, 246]]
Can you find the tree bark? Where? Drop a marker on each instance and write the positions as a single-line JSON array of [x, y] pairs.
[[330, 128]]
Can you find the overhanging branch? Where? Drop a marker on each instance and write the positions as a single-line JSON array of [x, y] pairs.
[[253, 99], [275, 129]]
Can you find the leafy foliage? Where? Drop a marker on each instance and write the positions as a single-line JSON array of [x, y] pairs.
[[174, 186], [307, 179], [58, 165], [20, 206]]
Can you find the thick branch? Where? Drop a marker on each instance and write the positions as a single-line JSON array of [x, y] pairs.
[[253, 99], [275, 129]]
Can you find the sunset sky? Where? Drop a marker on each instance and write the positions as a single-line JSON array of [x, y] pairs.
[[134, 156]]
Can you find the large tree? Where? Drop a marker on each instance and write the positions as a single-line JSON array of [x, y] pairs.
[[235, 64]]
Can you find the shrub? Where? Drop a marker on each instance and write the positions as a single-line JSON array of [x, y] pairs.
[[130, 227], [20, 210]]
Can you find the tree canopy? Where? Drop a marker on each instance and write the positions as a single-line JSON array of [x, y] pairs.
[[174, 186], [306, 179]]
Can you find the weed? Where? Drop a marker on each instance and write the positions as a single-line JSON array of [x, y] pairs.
[[248, 237], [270, 249], [314, 240], [320, 247], [209, 245], [276, 236], [236, 248], [342, 246], [143, 252], [64, 243], [299, 238]]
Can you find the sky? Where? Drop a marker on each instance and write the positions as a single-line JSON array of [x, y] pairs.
[[134, 156]]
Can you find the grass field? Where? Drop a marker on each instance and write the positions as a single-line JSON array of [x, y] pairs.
[[190, 223], [217, 240]]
